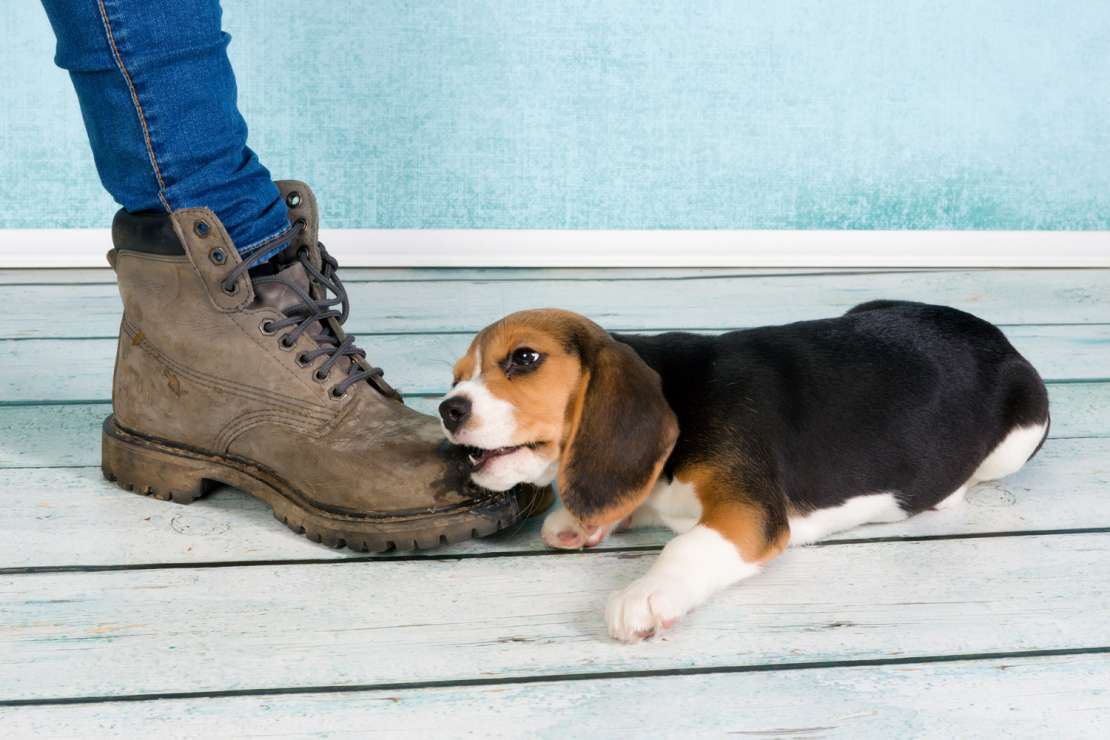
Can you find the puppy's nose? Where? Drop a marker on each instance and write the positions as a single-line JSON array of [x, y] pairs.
[[454, 412]]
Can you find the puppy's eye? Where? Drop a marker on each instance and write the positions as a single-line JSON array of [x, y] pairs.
[[524, 357], [522, 360]]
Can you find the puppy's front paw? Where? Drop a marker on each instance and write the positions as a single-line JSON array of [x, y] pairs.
[[561, 530], [646, 608]]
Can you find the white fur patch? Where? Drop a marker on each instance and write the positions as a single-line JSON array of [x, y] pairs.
[[476, 371], [953, 499], [697, 564], [492, 425], [674, 505], [522, 466], [492, 422], [1011, 453], [692, 567], [1006, 458], [870, 509]]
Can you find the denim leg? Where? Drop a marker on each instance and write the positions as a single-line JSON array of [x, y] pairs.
[[158, 96]]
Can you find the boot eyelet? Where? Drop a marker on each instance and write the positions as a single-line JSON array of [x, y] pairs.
[[267, 327], [201, 229], [302, 360], [293, 199], [232, 290], [338, 396], [285, 344], [320, 377], [218, 256]]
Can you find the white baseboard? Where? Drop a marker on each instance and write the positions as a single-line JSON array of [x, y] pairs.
[[632, 248]]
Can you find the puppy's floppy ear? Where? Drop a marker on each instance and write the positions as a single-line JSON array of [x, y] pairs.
[[620, 432]]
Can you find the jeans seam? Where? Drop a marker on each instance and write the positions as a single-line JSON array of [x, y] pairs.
[[138, 106]]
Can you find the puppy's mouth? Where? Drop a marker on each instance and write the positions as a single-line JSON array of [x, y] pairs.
[[479, 457]]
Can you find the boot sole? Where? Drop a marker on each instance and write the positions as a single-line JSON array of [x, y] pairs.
[[169, 472]]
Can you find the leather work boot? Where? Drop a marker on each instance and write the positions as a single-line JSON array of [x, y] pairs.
[[224, 377]]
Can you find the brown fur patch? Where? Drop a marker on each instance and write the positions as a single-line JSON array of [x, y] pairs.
[[540, 398], [464, 368], [736, 515], [575, 407], [591, 402]]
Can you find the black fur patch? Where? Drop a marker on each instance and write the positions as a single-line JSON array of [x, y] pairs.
[[891, 397]]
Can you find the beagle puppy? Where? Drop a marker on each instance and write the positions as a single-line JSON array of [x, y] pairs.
[[744, 442]]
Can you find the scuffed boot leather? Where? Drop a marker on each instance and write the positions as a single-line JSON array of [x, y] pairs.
[[222, 377]]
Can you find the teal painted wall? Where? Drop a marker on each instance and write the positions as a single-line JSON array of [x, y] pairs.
[[904, 114]]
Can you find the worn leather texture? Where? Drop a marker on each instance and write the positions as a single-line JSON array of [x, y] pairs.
[[195, 367]]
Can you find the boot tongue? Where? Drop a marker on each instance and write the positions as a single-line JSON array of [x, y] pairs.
[[280, 294], [291, 256]]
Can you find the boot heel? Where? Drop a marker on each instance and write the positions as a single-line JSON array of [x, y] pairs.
[[149, 469]]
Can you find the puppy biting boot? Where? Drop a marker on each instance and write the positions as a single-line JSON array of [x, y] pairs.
[[249, 380]]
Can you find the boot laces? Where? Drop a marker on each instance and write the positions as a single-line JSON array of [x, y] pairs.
[[311, 311]]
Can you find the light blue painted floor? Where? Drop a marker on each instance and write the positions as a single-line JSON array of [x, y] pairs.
[[123, 616]]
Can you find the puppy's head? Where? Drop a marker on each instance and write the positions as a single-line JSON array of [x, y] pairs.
[[548, 395]]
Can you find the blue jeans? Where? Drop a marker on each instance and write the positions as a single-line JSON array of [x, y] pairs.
[[158, 96]]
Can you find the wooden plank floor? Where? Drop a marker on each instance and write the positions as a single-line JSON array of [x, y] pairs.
[[124, 616]]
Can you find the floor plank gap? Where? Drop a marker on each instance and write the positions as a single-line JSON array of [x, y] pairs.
[[561, 677]]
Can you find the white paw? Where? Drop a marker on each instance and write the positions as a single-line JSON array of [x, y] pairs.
[[646, 608], [561, 530]]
